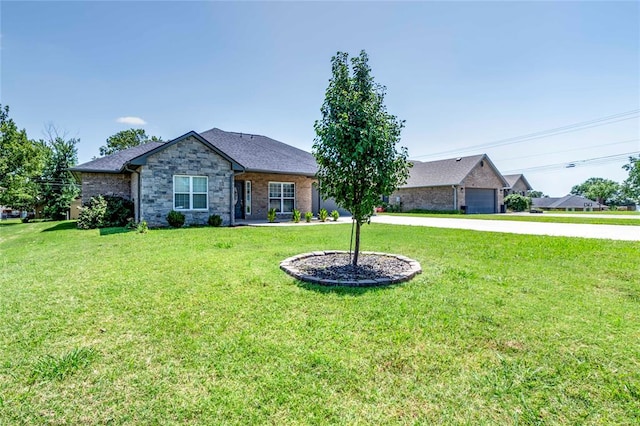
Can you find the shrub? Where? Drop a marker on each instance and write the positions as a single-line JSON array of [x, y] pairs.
[[142, 227], [271, 215], [119, 210], [517, 202], [175, 219], [335, 215], [215, 220], [105, 211], [322, 215], [92, 214], [296, 215], [308, 216]]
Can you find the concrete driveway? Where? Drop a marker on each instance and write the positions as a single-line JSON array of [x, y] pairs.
[[608, 232]]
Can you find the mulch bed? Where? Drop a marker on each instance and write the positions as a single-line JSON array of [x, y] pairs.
[[335, 268]]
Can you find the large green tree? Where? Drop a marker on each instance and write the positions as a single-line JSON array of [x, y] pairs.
[[631, 185], [604, 191], [126, 139], [355, 144], [21, 164], [59, 188]]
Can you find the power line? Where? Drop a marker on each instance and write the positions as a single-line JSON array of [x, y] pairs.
[[596, 122], [571, 164], [568, 150]]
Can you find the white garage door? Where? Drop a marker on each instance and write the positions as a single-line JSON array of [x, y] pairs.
[[480, 200]]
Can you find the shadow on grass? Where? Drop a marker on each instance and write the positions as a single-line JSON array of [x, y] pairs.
[[61, 226], [343, 290], [112, 231], [5, 222]]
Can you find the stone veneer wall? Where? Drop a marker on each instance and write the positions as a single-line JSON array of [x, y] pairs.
[[260, 191], [105, 184], [187, 157], [426, 198]]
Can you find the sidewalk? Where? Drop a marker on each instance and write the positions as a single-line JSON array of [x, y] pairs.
[[609, 232]]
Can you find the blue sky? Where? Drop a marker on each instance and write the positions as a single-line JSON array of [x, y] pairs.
[[461, 74]]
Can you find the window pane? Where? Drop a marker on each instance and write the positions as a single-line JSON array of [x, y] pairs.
[[199, 185], [181, 184], [181, 202], [199, 201], [274, 204], [288, 190], [287, 206], [274, 190]]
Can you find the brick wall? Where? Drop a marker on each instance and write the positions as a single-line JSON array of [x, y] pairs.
[[518, 188], [260, 192], [429, 198], [187, 157], [105, 184], [484, 176]]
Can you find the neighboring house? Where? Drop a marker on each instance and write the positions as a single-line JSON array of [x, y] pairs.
[[234, 175], [471, 184], [517, 185], [569, 202]]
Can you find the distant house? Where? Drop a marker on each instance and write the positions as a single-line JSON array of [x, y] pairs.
[[569, 202], [518, 184], [471, 184], [234, 175]]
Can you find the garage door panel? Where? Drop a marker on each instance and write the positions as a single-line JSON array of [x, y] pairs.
[[479, 200]]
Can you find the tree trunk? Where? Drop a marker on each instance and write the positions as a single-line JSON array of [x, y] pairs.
[[356, 250]]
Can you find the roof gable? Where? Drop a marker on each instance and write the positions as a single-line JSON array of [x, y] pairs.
[[451, 171], [513, 179], [142, 159], [262, 154]]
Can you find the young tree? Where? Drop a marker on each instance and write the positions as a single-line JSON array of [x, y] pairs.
[[59, 186], [126, 139], [631, 185], [355, 144], [21, 163]]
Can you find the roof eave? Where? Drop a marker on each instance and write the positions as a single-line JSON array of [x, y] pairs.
[[279, 172]]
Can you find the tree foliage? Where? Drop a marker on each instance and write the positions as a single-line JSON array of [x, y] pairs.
[[59, 188], [631, 185], [517, 202], [537, 194], [355, 144], [126, 139], [604, 191], [21, 164]]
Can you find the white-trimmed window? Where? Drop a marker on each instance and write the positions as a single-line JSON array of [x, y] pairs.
[[282, 196], [190, 192]]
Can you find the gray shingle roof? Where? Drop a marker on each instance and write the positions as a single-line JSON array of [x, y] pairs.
[[115, 163], [253, 152], [512, 179], [262, 154], [569, 201], [451, 171]]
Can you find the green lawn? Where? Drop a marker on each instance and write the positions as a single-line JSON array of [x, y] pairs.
[[535, 217], [199, 326]]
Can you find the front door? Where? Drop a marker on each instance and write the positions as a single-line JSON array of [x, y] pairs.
[[238, 199]]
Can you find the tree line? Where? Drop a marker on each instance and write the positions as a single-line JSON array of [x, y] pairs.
[[35, 173]]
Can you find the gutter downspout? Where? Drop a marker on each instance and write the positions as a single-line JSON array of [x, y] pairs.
[[137, 211]]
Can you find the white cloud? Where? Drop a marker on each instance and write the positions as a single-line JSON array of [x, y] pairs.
[[134, 121]]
